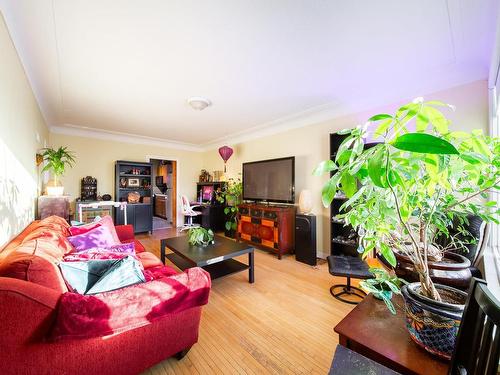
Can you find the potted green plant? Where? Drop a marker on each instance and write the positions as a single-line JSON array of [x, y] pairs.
[[200, 236], [383, 286], [405, 192], [57, 161], [231, 196]]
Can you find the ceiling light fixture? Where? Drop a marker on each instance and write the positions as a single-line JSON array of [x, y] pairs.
[[198, 103]]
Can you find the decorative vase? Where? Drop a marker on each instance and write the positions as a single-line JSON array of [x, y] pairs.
[[305, 201], [433, 325]]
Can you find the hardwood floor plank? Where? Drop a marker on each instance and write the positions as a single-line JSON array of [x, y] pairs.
[[281, 324]]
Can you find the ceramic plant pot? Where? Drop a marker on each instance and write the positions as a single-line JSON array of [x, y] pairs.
[[453, 270], [434, 325]]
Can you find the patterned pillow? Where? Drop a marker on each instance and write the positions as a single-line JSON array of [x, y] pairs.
[[97, 237], [106, 221]]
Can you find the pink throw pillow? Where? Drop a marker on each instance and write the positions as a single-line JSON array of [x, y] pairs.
[[97, 237], [106, 221]]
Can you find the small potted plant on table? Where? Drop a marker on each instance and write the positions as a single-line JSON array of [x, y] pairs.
[[200, 236], [408, 190]]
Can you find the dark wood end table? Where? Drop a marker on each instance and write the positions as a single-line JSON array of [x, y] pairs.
[[371, 330], [216, 259]]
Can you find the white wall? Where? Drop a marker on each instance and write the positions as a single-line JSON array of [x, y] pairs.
[[22, 133], [310, 144]]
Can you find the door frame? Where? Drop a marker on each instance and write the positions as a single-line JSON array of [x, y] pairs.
[[176, 169]]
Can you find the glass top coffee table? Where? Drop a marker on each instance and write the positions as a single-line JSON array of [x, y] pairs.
[[216, 259]]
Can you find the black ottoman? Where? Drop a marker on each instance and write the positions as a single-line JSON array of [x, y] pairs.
[[348, 267]]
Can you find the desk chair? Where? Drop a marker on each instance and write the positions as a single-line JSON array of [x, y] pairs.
[[189, 213]]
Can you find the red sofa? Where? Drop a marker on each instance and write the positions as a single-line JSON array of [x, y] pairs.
[[31, 290]]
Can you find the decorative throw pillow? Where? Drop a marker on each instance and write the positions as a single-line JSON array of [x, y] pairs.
[[97, 276], [123, 248], [92, 255], [97, 237], [106, 221]]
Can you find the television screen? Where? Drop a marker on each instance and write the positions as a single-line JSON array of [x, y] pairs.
[[270, 180]]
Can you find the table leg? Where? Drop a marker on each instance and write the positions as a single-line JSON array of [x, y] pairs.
[[251, 275], [162, 251]]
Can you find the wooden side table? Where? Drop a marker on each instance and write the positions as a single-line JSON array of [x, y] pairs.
[[49, 205], [371, 330]]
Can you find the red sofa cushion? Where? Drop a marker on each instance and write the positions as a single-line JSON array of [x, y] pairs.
[[35, 261], [81, 316], [148, 259]]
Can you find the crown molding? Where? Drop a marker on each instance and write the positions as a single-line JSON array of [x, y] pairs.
[[310, 116], [109, 135]]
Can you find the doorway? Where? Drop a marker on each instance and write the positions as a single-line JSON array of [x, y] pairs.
[[164, 185]]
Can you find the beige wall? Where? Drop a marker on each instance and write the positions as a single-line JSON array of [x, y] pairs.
[[96, 158], [310, 144], [22, 133]]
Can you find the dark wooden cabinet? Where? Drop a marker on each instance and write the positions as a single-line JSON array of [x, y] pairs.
[[161, 205], [212, 216], [143, 218], [139, 215], [134, 177], [268, 226]]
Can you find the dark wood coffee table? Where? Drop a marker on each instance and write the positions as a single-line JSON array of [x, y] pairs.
[[371, 330], [217, 259]]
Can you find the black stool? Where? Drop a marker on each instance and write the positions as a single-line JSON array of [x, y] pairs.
[[349, 267]]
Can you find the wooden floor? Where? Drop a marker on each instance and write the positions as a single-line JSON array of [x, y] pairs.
[[281, 324]]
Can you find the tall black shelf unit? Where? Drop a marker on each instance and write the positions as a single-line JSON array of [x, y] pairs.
[[140, 215], [343, 239]]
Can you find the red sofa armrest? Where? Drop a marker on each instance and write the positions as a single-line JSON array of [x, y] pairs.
[[27, 311], [125, 232]]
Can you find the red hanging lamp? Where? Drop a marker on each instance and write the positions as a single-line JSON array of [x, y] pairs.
[[225, 153]]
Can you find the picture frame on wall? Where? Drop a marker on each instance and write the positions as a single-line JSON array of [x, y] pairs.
[[133, 182]]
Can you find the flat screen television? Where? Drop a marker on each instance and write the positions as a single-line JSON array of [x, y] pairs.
[[270, 180]]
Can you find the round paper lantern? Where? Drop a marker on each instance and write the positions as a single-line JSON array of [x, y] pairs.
[[225, 153]]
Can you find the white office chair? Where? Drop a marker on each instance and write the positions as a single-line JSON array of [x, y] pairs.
[[187, 211]]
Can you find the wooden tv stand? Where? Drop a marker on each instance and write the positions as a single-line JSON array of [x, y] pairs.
[[268, 226]]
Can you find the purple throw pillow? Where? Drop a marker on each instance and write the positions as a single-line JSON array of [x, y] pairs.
[[98, 237]]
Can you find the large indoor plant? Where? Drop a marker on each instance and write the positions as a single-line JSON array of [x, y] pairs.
[[409, 189], [231, 196], [57, 161]]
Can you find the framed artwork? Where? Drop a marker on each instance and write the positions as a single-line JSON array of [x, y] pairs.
[[133, 182], [123, 182]]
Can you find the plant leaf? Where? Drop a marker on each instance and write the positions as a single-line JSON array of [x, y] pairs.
[[388, 254], [323, 167], [380, 116], [377, 170], [424, 143], [348, 183], [329, 190]]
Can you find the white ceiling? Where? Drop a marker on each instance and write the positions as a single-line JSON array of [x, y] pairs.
[[128, 66]]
